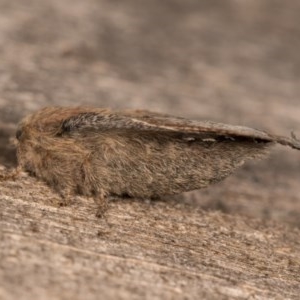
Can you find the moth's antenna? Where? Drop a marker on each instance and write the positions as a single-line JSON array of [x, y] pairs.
[[293, 142]]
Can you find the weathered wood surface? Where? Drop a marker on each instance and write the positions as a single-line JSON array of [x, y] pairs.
[[227, 61]]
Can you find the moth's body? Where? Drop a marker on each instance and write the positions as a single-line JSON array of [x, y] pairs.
[[99, 153]]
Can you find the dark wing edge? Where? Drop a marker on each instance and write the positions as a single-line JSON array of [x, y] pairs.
[[171, 123], [219, 129], [156, 122]]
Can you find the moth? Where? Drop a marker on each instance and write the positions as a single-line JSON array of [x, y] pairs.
[[101, 153]]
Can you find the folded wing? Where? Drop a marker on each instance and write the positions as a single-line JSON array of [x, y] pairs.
[[144, 121]]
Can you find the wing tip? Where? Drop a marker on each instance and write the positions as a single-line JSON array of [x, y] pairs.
[[292, 141]]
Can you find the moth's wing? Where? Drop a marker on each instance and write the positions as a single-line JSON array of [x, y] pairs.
[[209, 128], [178, 124], [144, 121]]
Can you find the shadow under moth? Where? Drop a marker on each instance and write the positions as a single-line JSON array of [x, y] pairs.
[[102, 153]]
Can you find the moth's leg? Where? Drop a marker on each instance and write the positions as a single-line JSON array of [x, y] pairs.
[[65, 197], [11, 174], [102, 205], [101, 200]]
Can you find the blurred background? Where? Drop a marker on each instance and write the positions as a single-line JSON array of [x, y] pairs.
[[232, 61]]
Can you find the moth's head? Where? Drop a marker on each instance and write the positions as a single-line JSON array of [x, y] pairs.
[[45, 123], [38, 132]]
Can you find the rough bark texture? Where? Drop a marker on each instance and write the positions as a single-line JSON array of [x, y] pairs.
[[229, 61]]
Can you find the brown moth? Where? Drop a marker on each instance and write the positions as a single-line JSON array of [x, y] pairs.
[[102, 153]]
